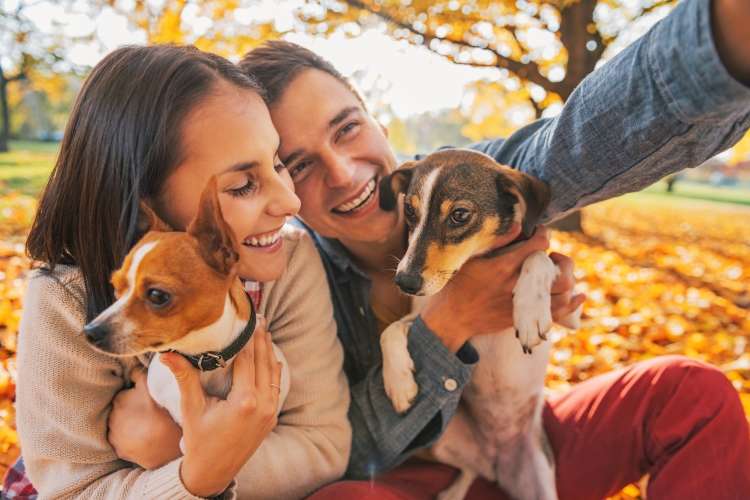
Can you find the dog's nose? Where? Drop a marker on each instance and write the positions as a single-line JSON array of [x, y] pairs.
[[409, 282], [96, 333]]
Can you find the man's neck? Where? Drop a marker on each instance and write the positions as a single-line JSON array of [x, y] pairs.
[[379, 257]]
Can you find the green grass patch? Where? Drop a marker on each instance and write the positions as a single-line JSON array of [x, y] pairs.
[[26, 167], [686, 189]]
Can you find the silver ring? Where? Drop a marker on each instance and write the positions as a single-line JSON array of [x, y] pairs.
[[276, 386]]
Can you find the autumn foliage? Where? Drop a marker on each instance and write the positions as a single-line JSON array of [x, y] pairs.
[[661, 278]]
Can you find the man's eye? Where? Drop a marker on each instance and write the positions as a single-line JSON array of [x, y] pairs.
[[347, 129], [297, 170]]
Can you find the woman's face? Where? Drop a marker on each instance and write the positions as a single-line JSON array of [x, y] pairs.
[[230, 134]]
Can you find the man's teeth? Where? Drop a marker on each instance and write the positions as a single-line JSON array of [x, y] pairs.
[[360, 200], [263, 241]]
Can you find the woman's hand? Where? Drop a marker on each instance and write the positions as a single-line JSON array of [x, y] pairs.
[[140, 431], [221, 435]]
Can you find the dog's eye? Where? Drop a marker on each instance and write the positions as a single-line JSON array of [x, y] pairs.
[[409, 211], [158, 298], [459, 216]]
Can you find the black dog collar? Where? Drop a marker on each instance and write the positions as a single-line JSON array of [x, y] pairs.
[[212, 360]]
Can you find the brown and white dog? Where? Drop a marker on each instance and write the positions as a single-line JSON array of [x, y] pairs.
[[460, 204], [179, 291]]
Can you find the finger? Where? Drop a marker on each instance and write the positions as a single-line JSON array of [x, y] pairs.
[[138, 375], [243, 371], [538, 242], [262, 363], [561, 300], [193, 398], [565, 280], [566, 310]]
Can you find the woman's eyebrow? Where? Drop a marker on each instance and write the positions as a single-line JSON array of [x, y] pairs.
[[239, 167]]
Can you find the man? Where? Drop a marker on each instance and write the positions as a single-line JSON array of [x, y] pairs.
[[667, 102]]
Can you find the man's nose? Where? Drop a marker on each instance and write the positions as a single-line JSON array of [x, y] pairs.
[[339, 170]]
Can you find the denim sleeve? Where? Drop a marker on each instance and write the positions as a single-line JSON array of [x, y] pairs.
[[663, 104], [381, 437]]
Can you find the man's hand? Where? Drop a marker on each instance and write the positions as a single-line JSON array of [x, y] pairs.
[[140, 431], [479, 298], [731, 21]]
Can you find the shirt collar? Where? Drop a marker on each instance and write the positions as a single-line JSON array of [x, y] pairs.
[[335, 251]]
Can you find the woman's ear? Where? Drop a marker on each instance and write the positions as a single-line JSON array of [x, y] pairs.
[[215, 238], [149, 221], [394, 184]]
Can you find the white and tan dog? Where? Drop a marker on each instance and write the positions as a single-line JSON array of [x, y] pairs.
[[179, 291], [461, 204]]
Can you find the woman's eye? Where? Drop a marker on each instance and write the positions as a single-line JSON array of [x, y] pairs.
[[248, 188]]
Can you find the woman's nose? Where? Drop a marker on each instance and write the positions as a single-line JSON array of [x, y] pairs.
[[284, 202]]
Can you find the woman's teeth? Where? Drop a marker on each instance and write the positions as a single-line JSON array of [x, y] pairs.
[[263, 241], [360, 200]]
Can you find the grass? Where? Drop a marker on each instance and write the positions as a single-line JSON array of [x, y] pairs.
[[693, 190], [26, 167]]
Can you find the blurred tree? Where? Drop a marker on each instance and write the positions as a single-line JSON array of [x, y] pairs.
[[27, 51], [227, 27], [548, 44], [741, 151]]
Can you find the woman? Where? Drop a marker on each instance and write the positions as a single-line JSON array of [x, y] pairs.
[[154, 124]]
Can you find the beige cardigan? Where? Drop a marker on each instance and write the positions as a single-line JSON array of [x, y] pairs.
[[65, 389]]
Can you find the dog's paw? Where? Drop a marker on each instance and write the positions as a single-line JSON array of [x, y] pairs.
[[398, 367], [532, 315]]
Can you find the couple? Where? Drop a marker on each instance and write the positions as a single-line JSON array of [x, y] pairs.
[[155, 123]]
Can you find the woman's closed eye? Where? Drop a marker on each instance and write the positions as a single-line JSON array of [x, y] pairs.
[[243, 190]]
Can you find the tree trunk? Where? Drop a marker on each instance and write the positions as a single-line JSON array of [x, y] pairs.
[[5, 126]]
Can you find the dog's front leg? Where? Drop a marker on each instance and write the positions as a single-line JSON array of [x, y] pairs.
[[398, 367], [532, 315]]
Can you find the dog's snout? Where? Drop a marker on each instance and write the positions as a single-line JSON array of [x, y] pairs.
[[409, 282], [96, 333]]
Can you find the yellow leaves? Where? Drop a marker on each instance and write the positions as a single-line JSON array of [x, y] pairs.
[[741, 150]]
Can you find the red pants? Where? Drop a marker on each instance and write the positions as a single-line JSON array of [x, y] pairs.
[[678, 420]]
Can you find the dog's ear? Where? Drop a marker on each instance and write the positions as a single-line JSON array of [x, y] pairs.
[[149, 221], [535, 194], [215, 238], [394, 184]]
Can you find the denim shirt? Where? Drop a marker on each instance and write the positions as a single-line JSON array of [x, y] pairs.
[[663, 104]]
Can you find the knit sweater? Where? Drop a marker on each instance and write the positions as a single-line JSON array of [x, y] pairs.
[[65, 390]]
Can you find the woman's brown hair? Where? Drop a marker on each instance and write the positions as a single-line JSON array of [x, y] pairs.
[[121, 143]]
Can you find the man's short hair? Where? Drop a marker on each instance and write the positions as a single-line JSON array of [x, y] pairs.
[[276, 63]]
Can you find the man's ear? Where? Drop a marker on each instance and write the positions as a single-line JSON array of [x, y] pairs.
[[394, 184], [535, 194], [149, 221], [215, 238]]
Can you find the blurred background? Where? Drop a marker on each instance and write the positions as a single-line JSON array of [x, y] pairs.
[[666, 270]]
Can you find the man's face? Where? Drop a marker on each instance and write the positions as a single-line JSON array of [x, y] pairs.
[[336, 154]]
